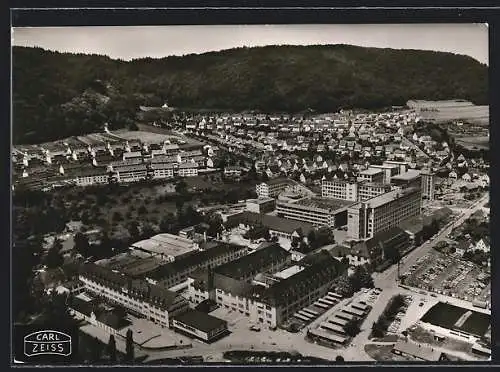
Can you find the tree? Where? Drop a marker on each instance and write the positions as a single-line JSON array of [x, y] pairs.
[[147, 231], [81, 244], [55, 312], [352, 327], [111, 349], [95, 350], [142, 210], [344, 287], [252, 173], [181, 187], [311, 238], [179, 204], [345, 261], [129, 347], [133, 229], [323, 236], [168, 222], [361, 279], [54, 257], [106, 245], [304, 247], [266, 234], [392, 254], [377, 329], [117, 216]]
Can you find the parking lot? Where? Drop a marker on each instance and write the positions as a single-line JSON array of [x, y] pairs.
[[448, 275], [395, 326]]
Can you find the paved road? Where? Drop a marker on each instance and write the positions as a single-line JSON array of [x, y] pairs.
[[387, 279]]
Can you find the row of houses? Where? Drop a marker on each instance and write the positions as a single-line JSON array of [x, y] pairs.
[[119, 172]]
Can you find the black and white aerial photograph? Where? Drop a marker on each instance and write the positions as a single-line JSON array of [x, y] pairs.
[[296, 194]]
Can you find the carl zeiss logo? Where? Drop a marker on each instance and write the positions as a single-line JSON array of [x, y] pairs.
[[47, 343]]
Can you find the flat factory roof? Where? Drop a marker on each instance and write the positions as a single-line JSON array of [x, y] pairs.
[[407, 176], [289, 272], [166, 244], [370, 171]]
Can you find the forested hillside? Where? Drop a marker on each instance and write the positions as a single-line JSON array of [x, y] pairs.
[[59, 94]]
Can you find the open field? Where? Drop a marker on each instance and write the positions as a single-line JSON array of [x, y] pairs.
[[145, 137], [446, 112], [473, 143]]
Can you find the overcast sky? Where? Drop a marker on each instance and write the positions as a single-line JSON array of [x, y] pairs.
[[160, 41]]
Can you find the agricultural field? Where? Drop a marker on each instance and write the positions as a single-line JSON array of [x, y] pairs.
[[474, 143], [471, 113]]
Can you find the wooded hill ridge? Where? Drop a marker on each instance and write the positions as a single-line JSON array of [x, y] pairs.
[[56, 95]]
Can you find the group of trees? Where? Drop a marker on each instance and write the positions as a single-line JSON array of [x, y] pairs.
[[347, 285], [385, 319], [353, 327], [60, 94], [475, 228], [94, 350], [315, 239], [258, 232], [477, 256]]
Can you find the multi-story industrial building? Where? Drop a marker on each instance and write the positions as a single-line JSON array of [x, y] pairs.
[[168, 247], [411, 178], [316, 211], [131, 173], [402, 165], [153, 302], [178, 271], [368, 190], [162, 170], [280, 227], [340, 189], [282, 299], [369, 217], [188, 169], [92, 176], [352, 190], [371, 175], [428, 184], [389, 171], [272, 188], [273, 300], [260, 205]]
